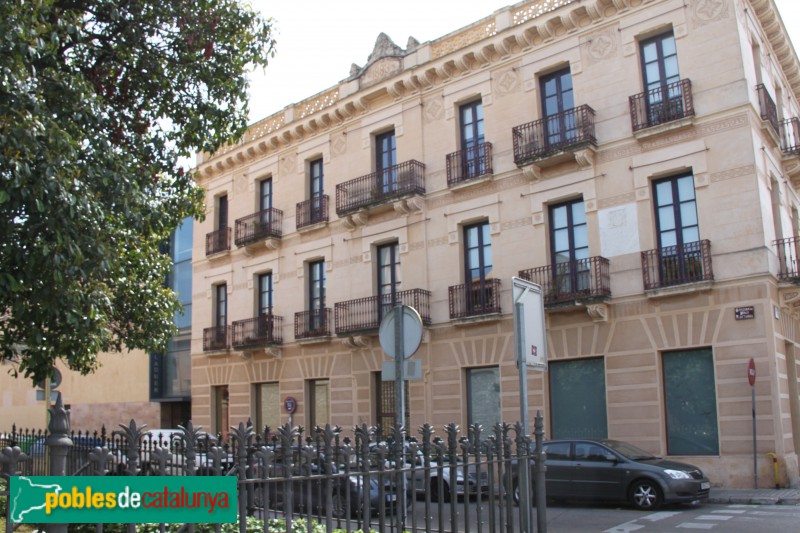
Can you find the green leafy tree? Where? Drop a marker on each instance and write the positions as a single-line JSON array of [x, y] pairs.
[[99, 101]]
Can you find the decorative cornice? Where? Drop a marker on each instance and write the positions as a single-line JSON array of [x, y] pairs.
[[766, 12]]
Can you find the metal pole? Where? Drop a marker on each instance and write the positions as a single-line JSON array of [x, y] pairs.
[[400, 400], [541, 497], [755, 443], [524, 472]]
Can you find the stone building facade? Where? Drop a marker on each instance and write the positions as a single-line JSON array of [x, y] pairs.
[[637, 158]]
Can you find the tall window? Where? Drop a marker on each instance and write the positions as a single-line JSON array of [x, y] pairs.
[[318, 403], [578, 399], [483, 396], [691, 403], [265, 200], [385, 161], [557, 98], [316, 294], [219, 395], [388, 276], [478, 267], [660, 72], [222, 212], [265, 294], [221, 300], [472, 139], [316, 189], [266, 400], [569, 247], [678, 231]]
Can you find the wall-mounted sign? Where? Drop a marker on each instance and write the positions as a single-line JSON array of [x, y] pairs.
[[745, 313], [290, 404]]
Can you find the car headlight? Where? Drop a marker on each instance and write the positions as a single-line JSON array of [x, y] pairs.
[[677, 474]]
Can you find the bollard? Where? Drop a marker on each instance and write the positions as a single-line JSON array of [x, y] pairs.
[[774, 458], [58, 444]]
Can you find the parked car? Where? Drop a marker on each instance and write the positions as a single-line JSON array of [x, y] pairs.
[[451, 475], [612, 470]]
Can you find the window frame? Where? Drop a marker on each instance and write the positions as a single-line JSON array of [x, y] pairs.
[[265, 288]]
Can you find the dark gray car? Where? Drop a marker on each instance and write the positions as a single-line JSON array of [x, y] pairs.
[[612, 470]]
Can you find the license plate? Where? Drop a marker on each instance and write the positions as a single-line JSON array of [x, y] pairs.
[[705, 485]]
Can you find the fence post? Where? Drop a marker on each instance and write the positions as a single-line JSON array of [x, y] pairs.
[[541, 497], [58, 444]]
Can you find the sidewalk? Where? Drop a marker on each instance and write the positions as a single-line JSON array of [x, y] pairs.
[[755, 496]]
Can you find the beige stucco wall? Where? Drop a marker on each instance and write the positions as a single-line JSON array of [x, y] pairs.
[[734, 159], [115, 393]]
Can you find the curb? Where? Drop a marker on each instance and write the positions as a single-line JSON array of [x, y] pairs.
[[754, 500]]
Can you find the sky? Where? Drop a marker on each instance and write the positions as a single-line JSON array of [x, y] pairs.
[[318, 40]]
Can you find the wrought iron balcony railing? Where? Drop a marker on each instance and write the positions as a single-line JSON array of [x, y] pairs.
[[474, 298], [261, 225], [262, 330], [788, 253], [312, 211], [365, 314], [674, 265], [767, 107], [568, 130], [661, 105], [467, 164], [569, 281], [215, 338], [790, 136], [312, 324], [379, 187], [218, 241]]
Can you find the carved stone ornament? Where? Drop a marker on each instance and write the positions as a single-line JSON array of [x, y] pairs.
[[384, 61], [598, 312], [356, 342]]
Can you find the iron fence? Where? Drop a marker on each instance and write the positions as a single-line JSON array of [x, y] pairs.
[[790, 136], [259, 331], [313, 323], [312, 211], [788, 253], [677, 265], [470, 163], [571, 280], [261, 225], [373, 189], [218, 241], [566, 130], [767, 107], [474, 298], [357, 479], [663, 104], [215, 338], [365, 314]]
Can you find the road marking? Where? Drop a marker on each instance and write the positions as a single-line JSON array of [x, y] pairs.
[[692, 525], [713, 517], [730, 511], [655, 517], [624, 528]]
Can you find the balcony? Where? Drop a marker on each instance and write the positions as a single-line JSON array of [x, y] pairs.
[[365, 314], [265, 225], [312, 212], [790, 136], [554, 139], [215, 338], [465, 166], [218, 241], [252, 333], [474, 299], [788, 251], [673, 266], [572, 283], [312, 324], [767, 109], [670, 104], [380, 188]]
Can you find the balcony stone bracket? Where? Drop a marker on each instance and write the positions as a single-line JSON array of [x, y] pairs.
[[532, 172], [408, 206], [355, 220], [356, 342], [598, 312], [791, 165], [585, 158]]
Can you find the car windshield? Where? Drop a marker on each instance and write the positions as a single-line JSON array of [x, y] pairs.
[[628, 450]]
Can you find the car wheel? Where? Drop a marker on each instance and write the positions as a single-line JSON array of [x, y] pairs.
[[645, 495], [435, 496]]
